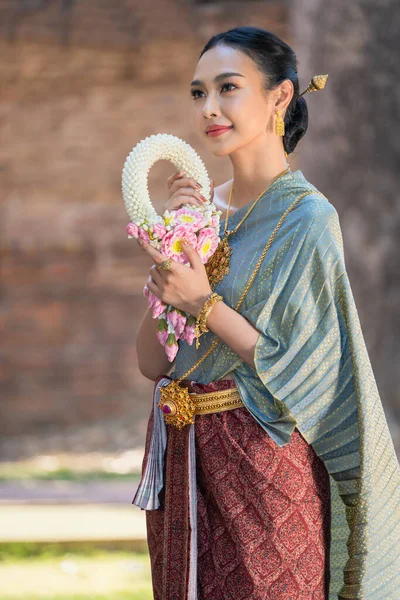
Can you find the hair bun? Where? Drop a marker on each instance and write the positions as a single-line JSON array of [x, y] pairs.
[[296, 125]]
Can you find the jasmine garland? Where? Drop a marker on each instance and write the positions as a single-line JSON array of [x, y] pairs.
[[199, 225]]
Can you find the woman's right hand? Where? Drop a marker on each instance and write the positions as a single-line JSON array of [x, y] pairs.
[[183, 190]]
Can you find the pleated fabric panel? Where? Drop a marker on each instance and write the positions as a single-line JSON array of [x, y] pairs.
[[312, 358]]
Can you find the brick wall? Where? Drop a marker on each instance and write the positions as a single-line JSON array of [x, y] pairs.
[[72, 107]]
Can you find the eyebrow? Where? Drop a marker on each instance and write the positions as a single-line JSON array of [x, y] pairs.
[[218, 78]]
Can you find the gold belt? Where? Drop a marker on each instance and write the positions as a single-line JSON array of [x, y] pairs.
[[212, 402], [180, 407]]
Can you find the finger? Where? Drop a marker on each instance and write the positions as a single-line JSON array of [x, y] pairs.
[[176, 203], [192, 254], [212, 190], [184, 182], [153, 287], [177, 175], [157, 256], [157, 275], [188, 191]]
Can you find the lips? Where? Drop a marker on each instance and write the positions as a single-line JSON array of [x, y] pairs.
[[218, 128]]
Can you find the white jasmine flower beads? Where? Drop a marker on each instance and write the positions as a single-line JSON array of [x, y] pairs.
[[142, 157]]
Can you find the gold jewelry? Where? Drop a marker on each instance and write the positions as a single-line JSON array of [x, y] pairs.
[[201, 321], [200, 404], [221, 400], [177, 405], [218, 265], [174, 392], [279, 124], [316, 84], [166, 265]]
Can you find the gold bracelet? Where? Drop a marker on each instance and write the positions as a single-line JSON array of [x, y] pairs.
[[201, 321]]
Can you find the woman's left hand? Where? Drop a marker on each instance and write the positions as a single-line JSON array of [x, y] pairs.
[[184, 287]]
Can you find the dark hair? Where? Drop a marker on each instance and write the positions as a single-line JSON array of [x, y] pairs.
[[277, 61]]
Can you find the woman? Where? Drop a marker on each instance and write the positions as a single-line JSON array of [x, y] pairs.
[[294, 491]]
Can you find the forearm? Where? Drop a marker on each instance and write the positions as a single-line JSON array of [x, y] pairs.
[[152, 360], [234, 330]]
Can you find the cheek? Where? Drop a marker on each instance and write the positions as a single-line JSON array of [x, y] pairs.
[[197, 114], [247, 115]]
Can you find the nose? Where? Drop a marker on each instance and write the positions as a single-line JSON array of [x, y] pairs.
[[211, 107]]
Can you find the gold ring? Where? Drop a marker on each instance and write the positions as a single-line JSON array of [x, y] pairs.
[[166, 265]]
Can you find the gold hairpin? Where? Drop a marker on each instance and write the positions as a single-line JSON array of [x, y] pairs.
[[316, 84]]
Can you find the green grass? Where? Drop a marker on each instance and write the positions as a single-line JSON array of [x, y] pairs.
[[64, 474], [95, 575], [16, 551]]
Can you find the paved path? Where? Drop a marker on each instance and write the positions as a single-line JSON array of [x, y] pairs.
[[65, 511], [66, 523], [54, 492]]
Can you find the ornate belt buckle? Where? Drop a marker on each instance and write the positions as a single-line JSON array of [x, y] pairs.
[[177, 405]]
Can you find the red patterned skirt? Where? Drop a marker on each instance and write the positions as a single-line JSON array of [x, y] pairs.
[[263, 513]]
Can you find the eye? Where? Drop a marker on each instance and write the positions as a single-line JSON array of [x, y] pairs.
[[228, 84], [194, 94], [198, 93]]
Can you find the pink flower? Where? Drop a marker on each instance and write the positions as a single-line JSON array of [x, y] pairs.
[[162, 331], [178, 321], [132, 230], [159, 230], [162, 337], [151, 298], [207, 242], [188, 334], [144, 235], [191, 218], [171, 347], [156, 304], [215, 222], [172, 243]]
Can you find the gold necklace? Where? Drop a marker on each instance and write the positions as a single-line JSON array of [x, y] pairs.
[[217, 267]]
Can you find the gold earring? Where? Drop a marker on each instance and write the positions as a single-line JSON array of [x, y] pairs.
[[279, 124]]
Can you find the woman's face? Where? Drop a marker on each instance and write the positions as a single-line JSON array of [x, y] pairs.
[[227, 90]]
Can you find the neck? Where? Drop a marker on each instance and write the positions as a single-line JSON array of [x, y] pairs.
[[255, 166]]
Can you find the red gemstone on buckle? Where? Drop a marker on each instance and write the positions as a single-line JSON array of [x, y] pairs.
[[169, 408]]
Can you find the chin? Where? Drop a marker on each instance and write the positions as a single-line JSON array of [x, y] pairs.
[[221, 151], [226, 150]]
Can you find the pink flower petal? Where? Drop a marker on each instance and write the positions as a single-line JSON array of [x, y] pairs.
[[132, 229]]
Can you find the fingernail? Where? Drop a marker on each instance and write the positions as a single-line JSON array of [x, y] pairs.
[[199, 184], [203, 198]]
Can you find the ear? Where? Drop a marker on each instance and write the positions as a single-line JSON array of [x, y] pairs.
[[284, 95]]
